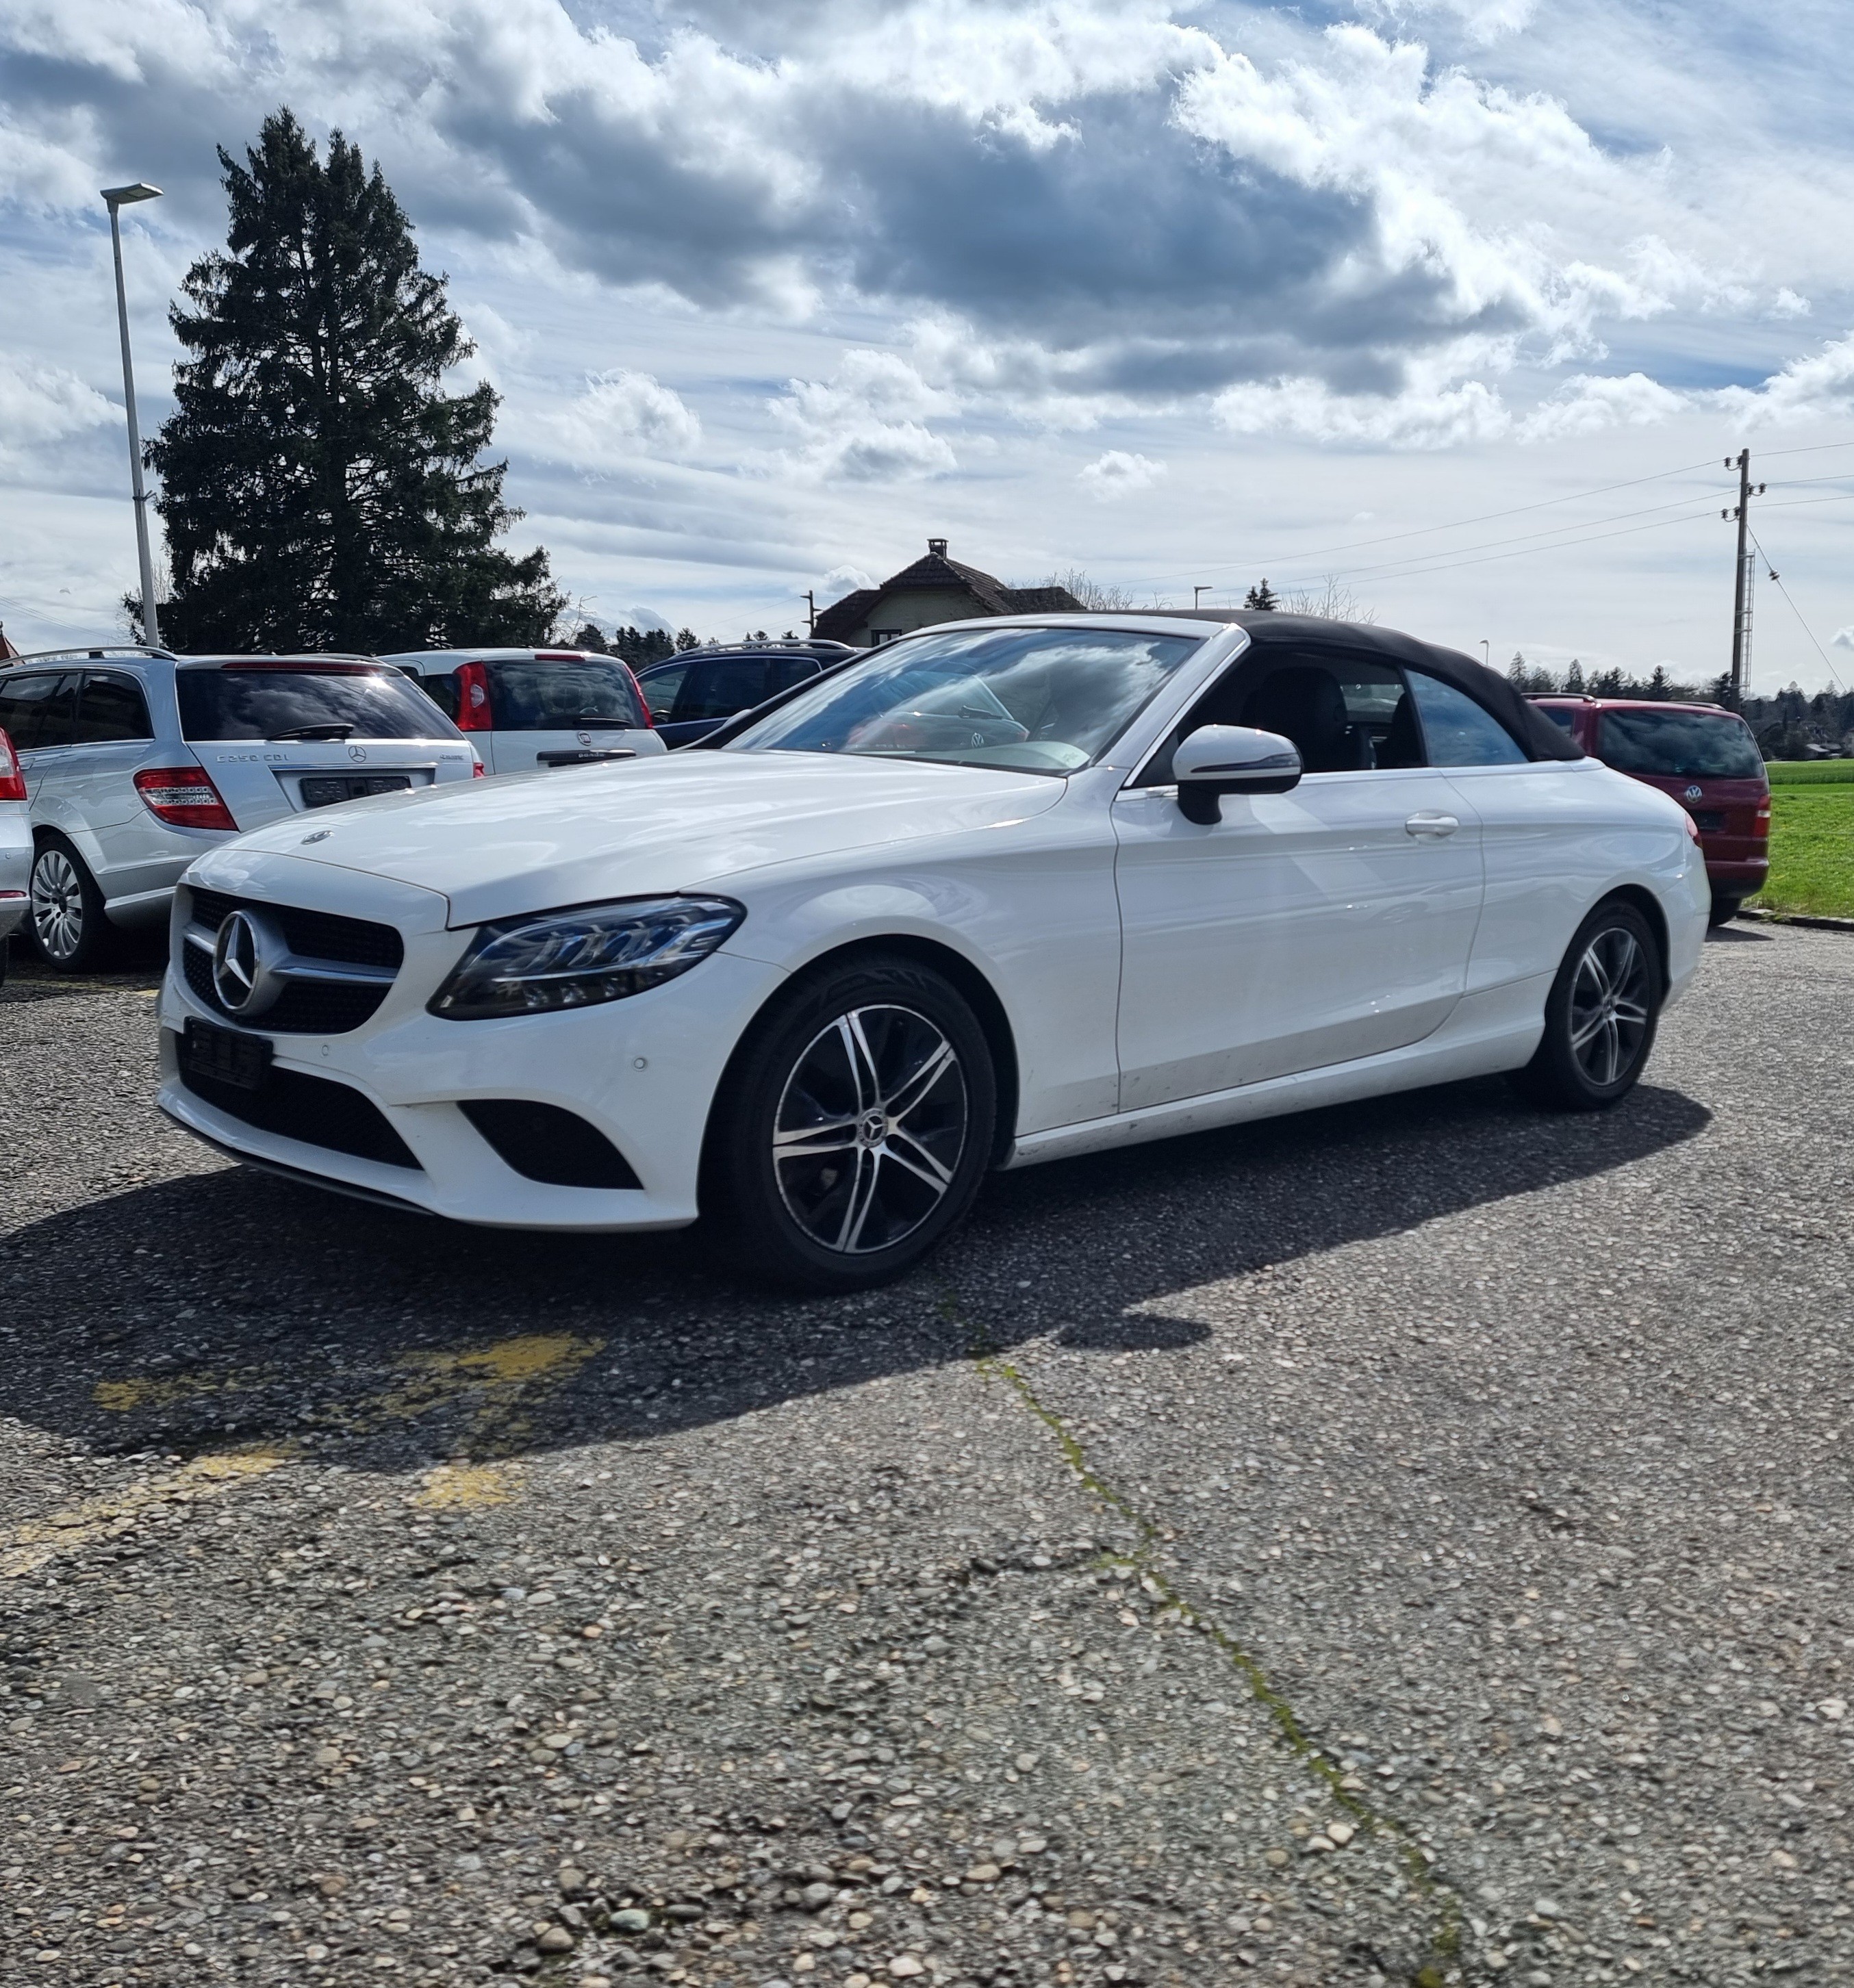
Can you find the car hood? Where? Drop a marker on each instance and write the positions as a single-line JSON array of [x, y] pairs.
[[680, 821]]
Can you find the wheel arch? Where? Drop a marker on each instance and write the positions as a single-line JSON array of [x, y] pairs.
[[947, 960], [1645, 902]]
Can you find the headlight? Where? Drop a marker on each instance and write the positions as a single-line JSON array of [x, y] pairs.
[[577, 958]]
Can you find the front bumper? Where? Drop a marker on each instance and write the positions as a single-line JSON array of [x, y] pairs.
[[643, 1071]]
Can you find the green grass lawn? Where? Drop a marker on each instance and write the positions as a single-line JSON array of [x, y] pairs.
[[1810, 772], [1812, 840]]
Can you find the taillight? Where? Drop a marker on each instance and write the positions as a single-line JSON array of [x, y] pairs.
[[12, 782], [184, 797], [473, 710], [478, 770], [643, 702], [1760, 821]]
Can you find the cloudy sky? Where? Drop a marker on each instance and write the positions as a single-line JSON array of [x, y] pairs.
[[1461, 302]]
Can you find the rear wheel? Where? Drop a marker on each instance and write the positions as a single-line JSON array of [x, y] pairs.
[[1600, 1015], [855, 1129], [68, 925]]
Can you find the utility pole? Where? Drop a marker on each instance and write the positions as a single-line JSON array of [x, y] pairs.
[[1741, 589], [811, 609]]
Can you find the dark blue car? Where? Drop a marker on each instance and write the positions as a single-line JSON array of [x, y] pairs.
[[691, 695]]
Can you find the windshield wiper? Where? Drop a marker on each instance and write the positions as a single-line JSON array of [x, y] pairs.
[[333, 729], [600, 718]]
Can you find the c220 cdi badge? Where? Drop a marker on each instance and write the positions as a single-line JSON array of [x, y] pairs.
[[1006, 891]]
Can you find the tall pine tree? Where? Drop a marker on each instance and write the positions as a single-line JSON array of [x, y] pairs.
[[320, 488]]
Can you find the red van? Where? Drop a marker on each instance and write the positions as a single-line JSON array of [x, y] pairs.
[[1703, 755]]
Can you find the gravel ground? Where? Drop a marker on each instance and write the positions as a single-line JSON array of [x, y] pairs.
[[1409, 1543]]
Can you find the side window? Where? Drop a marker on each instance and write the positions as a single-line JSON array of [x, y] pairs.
[[720, 687], [1345, 710], [660, 687], [1457, 731], [110, 709], [37, 711], [442, 690], [787, 671]]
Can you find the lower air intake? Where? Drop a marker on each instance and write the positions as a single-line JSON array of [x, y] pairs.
[[544, 1142], [313, 1109]]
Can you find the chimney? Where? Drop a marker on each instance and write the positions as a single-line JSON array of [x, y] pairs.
[[937, 547]]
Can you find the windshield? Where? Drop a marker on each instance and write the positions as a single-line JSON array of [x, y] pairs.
[[263, 701], [1035, 700], [1684, 744]]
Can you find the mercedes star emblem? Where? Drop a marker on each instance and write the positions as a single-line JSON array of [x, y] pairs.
[[356, 752], [244, 959], [320, 835]]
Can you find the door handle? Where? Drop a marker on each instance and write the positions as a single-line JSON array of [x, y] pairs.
[[1434, 825]]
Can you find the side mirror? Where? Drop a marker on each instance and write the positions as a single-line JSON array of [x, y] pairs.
[[1218, 759]]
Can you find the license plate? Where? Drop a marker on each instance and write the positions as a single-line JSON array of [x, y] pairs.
[[226, 1055], [1710, 821], [325, 789]]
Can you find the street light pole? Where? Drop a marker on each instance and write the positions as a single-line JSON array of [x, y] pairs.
[[117, 197], [1197, 594]]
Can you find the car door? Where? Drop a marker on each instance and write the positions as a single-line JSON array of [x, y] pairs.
[[715, 688], [1548, 834], [112, 740], [1329, 923]]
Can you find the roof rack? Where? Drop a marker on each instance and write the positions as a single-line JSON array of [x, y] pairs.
[[95, 653]]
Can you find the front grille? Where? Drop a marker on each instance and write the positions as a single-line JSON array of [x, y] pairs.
[[315, 1109], [545, 1142], [305, 1007], [315, 935]]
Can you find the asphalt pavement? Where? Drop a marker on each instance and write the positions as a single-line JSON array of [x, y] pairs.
[[1409, 1543]]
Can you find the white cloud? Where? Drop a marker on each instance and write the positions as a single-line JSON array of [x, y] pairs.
[[1588, 403], [1432, 418], [1117, 474], [45, 404], [621, 414], [867, 423], [1819, 387], [1843, 638], [842, 580]]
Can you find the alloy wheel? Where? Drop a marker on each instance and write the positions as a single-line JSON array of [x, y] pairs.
[[57, 906], [1611, 1005], [871, 1128]]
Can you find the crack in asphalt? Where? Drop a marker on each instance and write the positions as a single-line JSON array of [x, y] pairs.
[[1438, 1894]]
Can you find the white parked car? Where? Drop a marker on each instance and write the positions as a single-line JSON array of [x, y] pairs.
[[1006, 891], [528, 708], [137, 760], [15, 846]]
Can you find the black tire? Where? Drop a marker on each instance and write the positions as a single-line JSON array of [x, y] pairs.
[[1600, 1015], [66, 918], [1724, 911], [856, 1197]]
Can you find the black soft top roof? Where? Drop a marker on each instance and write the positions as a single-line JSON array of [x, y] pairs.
[[1269, 629]]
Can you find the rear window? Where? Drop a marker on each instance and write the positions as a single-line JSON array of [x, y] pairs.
[[262, 701], [1687, 745], [1560, 715], [555, 694]]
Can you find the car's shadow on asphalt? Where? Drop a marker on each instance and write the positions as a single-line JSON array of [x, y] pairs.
[[229, 1307]]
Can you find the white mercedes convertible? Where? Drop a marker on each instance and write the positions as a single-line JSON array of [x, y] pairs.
[[1004, 891]]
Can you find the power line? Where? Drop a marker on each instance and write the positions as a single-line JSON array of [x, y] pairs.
[[1427, 531], [1776, 581]]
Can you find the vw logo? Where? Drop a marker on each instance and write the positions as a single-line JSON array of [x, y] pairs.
[[244, 956], [1695, 793], [356, 752]]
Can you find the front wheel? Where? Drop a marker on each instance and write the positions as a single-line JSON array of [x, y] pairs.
[[1600, 1015], [854, 1127], [66, 913]]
